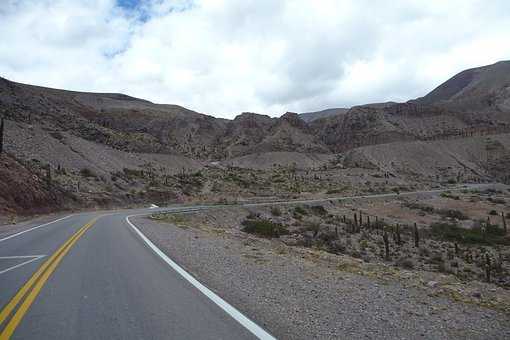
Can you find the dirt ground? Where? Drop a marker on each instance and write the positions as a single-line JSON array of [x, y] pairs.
[[303, 291]]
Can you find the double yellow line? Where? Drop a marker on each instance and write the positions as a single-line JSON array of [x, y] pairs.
[[33, 286]]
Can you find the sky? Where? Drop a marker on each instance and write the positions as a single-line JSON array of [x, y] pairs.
[[224, 57]]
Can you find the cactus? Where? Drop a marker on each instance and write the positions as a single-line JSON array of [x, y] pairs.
[[416, 236], [488, 267], [397, 232], [2, 135], [504, 221], [48, 175], [386, 246]]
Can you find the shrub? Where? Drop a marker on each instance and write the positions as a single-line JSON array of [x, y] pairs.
[[86, 172], [275, 211], [133, 173], [451, 213], [419, 206], [405, 263], [475, 235], [449, 195], [300, 210], [318, 210], [263, 228], [496, 200], [493, 213]]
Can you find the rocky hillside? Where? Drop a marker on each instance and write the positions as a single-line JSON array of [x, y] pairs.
[[27, 191], [311, 116], [107, 149], [473, 101], [136, 125]]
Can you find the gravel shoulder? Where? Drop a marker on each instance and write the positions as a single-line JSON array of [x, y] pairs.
[[302, 294]]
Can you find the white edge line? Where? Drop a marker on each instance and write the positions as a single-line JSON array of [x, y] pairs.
[[229, 309], [34, 228], [34, 258]]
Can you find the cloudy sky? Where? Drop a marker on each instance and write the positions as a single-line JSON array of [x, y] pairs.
[[224, 57]]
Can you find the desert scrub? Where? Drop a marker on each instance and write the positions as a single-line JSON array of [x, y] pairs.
[[451, 213], [419, 206], [318, 210], [275, 211], [496, 200], [337, 190], [263, 227], [169, 218], [300, 211], [405, 262], [480, 233], [448, 194], [86, 172]]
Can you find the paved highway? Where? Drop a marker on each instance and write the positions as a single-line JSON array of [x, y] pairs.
[[100, 279]]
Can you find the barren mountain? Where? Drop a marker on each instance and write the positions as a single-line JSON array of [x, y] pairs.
[[129, 145], [311, 116], [478, 89]]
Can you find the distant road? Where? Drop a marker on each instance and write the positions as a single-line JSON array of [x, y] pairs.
[[95, 276]]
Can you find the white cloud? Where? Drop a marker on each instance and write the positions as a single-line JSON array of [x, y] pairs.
[[226, 56]]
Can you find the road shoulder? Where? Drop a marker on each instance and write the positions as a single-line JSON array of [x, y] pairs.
[[301, 295]]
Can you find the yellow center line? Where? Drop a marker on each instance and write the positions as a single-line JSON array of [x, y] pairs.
[[43, 273]]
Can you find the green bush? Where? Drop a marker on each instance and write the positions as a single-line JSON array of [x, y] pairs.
[[263, 228], [475, 235], [493, 213], [450, 195], [300, 210]]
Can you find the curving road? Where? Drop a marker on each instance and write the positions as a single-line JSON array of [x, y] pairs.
[[96, 276], [105, 283]]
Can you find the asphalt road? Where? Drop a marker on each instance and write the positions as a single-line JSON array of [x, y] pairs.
[[109, 285], [95, 276]]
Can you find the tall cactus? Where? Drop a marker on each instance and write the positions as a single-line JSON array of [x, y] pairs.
[[504, 222], [416, 237], [386, 246], [488, 267], [2, 135]]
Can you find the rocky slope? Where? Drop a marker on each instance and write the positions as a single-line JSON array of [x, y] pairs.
[[473, 100], [117, 148], [311, 116]]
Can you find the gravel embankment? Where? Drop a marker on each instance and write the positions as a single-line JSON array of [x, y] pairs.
[[297, 297]]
